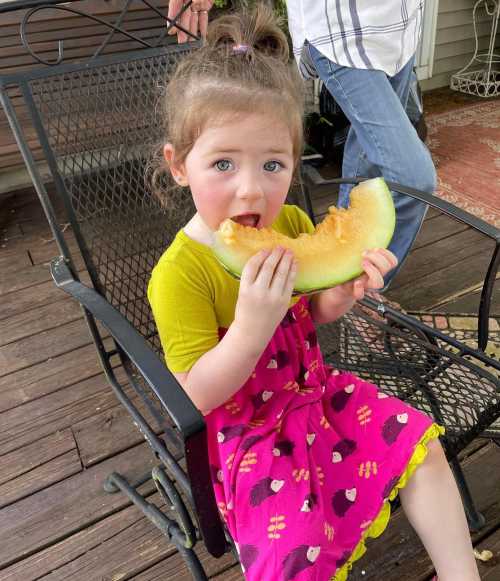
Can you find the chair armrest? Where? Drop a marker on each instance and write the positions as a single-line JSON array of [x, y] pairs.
[[311, 176], [184, 414], [173, 398]]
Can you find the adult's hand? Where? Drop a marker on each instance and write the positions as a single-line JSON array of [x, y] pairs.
[[194, 19]]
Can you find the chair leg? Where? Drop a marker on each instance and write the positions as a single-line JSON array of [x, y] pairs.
[[167, 526], [111, 487], [475, 519]]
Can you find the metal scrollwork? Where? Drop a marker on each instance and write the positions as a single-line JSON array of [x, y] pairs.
[[113, 28]]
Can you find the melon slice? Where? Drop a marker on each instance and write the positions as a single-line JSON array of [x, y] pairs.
[[330, 255]]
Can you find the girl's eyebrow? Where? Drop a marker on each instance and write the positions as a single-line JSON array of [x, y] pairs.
[[239, 150], [223, 150]]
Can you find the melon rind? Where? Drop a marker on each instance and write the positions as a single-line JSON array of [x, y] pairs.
[[332, 254]]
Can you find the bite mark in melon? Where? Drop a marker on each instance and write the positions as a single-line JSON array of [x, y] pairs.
[[332, 254]]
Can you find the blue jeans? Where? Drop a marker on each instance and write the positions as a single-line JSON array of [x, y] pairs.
[[381, 141]]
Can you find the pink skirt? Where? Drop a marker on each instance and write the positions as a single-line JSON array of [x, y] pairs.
[[305, 457]]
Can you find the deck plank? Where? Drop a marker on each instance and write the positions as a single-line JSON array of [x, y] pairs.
[[437, 228], [108, 432], [490, 570], [447, 252], [42, 346], [469, 303], [41, 477], [174, 568], [50, 515], [441, 286], [34, 455], [24, 277], [56, 411], [78, 545], [233, 574], [123, 553], [44, 253], [44, 318], [23, 299], [49, 376]]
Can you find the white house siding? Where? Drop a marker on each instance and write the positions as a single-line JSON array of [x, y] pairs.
[[455, 40]]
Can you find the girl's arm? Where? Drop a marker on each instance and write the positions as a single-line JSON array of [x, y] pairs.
[[265, 290], [220, 372], [331, 304]]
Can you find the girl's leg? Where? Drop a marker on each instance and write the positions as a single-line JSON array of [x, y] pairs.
[[432, 503]]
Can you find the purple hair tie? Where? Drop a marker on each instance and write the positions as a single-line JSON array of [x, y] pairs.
[[240, 48]]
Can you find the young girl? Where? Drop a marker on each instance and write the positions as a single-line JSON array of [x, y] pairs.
[[304, 457]]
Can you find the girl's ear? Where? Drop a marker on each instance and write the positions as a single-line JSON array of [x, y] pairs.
[[178, 170]]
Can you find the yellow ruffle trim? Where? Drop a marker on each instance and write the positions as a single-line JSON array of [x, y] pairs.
[[379, 525]]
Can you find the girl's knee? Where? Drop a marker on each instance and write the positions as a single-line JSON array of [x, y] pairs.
[[435, 454]]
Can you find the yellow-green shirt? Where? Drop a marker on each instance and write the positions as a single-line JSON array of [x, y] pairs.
[[193, 298]]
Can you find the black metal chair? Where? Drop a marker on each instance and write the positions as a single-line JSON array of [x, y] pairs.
[[96, 123]]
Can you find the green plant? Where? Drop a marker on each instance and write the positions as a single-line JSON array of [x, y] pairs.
[[278, 5]]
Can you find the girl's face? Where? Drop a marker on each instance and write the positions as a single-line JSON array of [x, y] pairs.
[[240, 169]]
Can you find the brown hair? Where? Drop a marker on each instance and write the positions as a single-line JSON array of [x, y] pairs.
[[244, 67]]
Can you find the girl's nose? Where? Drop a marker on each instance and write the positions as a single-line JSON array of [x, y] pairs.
[[250, 187]]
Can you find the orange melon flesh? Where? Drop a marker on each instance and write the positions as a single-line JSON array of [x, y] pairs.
[[332, 254]]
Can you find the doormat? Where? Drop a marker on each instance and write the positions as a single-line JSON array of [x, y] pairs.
[[465, 146]]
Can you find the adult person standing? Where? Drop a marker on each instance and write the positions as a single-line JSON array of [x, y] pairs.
[[364, 52]]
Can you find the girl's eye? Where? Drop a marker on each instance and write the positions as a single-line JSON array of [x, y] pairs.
[[223, 165], [273, 166]]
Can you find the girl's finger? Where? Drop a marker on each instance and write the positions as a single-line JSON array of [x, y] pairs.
[[268, 268], [281, 273], [290, 280], [358, 288], [392, 259], [379, 260], [252, 267], [375, 278], [390, 256]]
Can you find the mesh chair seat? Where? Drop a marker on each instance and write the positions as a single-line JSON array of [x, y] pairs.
[[426, 372]]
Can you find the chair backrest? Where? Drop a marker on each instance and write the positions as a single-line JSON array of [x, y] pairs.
[[98, 125]]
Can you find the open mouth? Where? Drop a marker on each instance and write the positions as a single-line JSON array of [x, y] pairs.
[[251, 220]]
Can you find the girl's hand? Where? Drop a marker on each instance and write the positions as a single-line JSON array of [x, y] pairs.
[[264, 297], [333, 303], [376, 264]]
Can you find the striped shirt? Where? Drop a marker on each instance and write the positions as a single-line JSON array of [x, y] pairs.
[[362, 34]]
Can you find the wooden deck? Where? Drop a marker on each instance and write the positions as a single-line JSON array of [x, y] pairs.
[[62, 431]]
